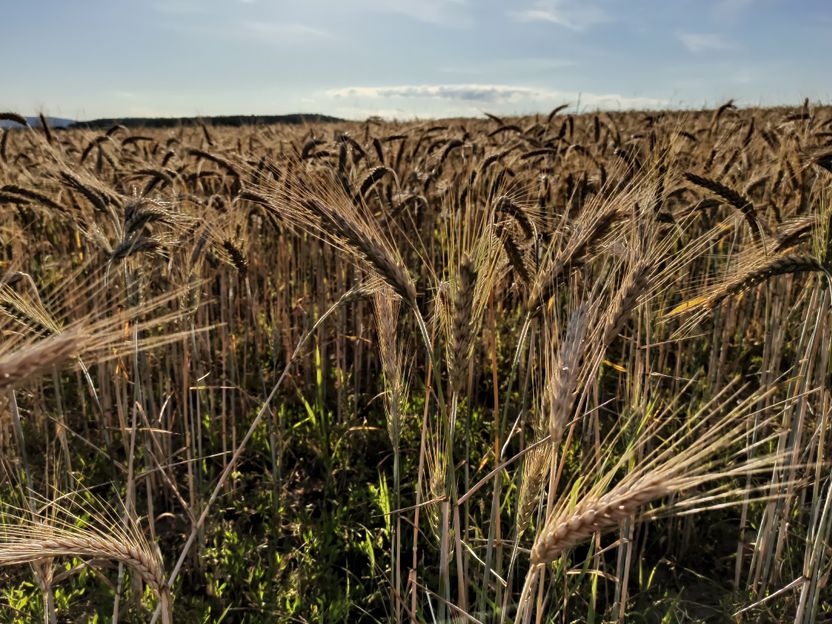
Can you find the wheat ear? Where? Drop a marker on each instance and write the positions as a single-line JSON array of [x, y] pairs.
[[462, 334], [625, 300], [34, 540], [594, 515], [563, 381], [732, 197], [37, 357], [376, 255]]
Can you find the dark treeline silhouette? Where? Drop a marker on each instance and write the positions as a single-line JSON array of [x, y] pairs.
[[226, 120]]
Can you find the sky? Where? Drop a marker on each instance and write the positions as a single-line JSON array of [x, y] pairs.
[[86, 59]]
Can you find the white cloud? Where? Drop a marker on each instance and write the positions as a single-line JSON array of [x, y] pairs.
[[467, 92], [704, 42], [570, 14], [438, 100]]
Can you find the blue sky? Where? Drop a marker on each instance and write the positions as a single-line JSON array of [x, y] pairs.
[[403, 58]]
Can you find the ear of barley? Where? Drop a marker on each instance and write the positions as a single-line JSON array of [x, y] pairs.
[[495, 118], [540, 151], [217, 160], [732, 197], [44, 125], [729, 105], [594, 515], [780, 265], [32, 541], [98, 199], [35, 196], [515, 256], [355, 145], [379, 149], [794, 233], [572, 254], [375, 254], [371, 179], [386, 307], [238, 258], [555, 111], [505, 204], [134, 245], [31, 360], [309, 148], [745, 278], [625, 300], [506, 128], [563, 381], [683, 462], [14, 117], [531, 487], [462, 330]]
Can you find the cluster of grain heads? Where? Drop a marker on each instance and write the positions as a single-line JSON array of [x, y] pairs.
[[689, 469]]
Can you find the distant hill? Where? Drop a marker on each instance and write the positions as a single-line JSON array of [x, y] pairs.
[[226, 120], [54, 122]]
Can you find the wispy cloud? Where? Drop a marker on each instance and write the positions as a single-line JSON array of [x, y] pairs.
[[704, 42], [468, 99], [567, 13], [178, 7], [286, 32], [730, 10], [520, 68], [448, 13], [249, 32]]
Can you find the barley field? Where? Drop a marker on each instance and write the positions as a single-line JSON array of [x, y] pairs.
[[558, 368]]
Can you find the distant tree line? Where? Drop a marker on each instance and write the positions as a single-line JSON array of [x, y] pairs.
[[225, 120]]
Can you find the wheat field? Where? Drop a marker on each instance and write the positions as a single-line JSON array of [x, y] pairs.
[[557, 368]]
